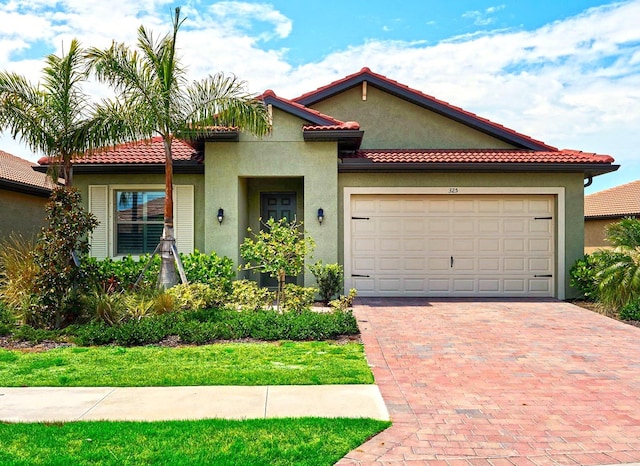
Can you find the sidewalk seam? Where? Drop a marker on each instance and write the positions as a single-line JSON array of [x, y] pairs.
[[95, 405], [266, 402]]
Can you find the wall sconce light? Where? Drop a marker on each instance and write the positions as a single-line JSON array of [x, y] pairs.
[[220, 215], [320, 215]]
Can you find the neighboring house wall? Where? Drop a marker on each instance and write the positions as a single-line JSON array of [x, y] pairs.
[[21, 213], [237, 172], [147, 181], [594, 234], [393, 123]]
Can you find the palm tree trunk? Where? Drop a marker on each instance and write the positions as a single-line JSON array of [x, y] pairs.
[[168, 275]]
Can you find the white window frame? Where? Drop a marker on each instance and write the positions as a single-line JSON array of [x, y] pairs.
[[184, 231]]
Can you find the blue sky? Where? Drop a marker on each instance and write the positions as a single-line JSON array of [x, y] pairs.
[[565, 72]]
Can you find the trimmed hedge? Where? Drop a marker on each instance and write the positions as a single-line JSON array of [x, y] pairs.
[[207, 326]]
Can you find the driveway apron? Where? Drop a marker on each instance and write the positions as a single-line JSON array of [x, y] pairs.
[[501, 383]]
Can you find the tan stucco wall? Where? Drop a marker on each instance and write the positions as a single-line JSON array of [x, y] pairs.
[[572, 183], [238, 171], [82, 182], [21, 213], [594, 236], [393, 123]]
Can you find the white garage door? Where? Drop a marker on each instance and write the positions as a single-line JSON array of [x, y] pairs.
[[458, 245]]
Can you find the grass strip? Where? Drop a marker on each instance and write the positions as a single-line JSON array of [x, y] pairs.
[[281, 363], [300, 441]]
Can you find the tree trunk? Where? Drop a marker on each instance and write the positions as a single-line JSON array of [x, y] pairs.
[[168, 276]]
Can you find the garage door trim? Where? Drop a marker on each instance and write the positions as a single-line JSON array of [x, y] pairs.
[[559, 192]]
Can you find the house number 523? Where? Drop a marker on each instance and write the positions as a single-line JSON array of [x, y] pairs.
[[453, 190]]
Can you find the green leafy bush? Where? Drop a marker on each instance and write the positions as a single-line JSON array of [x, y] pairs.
[[7, 320], [330, 279], [34, 335], [583, 277], [631, 311], [68, 226], [246, 295], [194, 296], [297, 298], [344, 302], [208, 268], [118, 275], [205, 326]]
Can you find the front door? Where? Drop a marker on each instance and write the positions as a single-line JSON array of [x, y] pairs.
[[276, 206]]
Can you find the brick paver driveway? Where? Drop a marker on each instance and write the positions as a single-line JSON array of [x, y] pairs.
[[501, 383]]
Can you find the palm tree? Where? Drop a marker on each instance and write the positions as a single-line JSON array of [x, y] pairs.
[[55, 117], [154, 98], [619, 274]]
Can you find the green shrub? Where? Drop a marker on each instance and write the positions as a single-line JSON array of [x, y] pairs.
[[209, 269], [138, 306], [583, 277], [106, 307], [631, 311], [205, 326], [34, 335], [246, 295], [330, 279], [297, 298], [118, 275], [344, 302], [193, 296], [68, 226]]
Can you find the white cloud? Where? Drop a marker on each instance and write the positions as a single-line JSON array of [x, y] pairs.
[[242, 15], [483, 18]]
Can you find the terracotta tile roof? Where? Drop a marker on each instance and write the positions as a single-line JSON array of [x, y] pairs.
[[620, 201], [139, 152], [480, 156], [16, 170], [365, 74]]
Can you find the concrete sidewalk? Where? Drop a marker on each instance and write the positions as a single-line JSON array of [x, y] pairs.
[[50, 404]]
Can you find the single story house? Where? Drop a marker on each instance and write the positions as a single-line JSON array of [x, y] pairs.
[[414, 196], [606, 207], [23, 195]]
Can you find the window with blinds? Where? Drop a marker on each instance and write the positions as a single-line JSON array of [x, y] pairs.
[[139, 221]]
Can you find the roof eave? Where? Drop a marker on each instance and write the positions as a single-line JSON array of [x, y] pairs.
[[24, 188], [347, 139], [179, 167], [364, 165]]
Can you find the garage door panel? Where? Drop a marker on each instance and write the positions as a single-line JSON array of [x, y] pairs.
[[438, 264], [514, 226], [498, 245], [488, 226], [437, 226]]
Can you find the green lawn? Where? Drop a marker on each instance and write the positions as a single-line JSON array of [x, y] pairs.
[[305, 441], [285, 363]]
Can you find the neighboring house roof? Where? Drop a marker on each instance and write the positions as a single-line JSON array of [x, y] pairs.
[[424, 100], [17, 174], [616, 202]]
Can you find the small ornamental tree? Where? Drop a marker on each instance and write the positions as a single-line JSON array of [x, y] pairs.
[[279, 249], [57, 247]]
